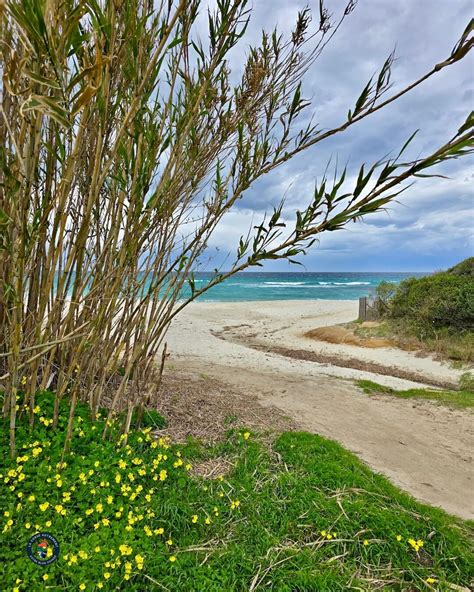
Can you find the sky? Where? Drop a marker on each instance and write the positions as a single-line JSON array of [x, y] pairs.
[[431, 227]]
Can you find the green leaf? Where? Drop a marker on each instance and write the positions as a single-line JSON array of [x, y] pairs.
[[175, 42]]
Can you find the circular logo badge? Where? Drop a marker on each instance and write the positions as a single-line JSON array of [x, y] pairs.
[[42, 548]]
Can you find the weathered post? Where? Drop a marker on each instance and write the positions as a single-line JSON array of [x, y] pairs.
[[363, 308]]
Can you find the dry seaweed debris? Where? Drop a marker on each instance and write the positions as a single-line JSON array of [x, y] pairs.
[[206, 409]]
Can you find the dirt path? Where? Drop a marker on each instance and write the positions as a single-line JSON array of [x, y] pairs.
[[425, 449]]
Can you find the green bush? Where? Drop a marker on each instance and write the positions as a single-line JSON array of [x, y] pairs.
[[466, 267], [442, 300], [385, 292], [466, 382]]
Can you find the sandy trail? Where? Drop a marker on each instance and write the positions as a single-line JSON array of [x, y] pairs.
[[424, 448]]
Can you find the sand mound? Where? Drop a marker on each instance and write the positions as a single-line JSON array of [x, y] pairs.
[[337, 334]]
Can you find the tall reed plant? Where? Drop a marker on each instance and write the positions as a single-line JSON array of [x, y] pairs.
[[125, 138]]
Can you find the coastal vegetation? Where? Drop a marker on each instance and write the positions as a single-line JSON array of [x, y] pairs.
[[437, 310], [293, 512], [460, 399]]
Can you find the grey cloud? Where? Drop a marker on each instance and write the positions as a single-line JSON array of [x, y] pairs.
[[432, 227]]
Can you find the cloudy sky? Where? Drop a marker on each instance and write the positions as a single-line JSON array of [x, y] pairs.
[[432, 226]]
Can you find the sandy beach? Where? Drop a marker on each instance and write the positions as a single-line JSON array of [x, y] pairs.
[[259, 348]]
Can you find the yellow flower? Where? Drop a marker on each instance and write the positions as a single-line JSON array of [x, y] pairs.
[[96, 464], [194, 519], [246, 435], [163, 474], [399, 537], [27, 526], [89, 511], [45, 577], [207, 520], [99, 507], [172, 558], [118, 478], [59, 483], [158, 531], [169, 542], [48, 523], [82, 586], [125, 549], [365, 542], [37, 451], [83, 555], [106, 575], [100, 585], [44, 506], [430, 581], [97, 549], [139, 561], [110, 499], [234, 504], [105, 521]]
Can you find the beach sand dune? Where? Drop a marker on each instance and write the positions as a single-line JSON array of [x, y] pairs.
[[424, 448]]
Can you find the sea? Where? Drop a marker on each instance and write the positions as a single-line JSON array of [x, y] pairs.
[[248, 286]]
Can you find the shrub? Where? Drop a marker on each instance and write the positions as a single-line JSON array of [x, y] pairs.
[[385, 291], [466, 267], [443, 300], [466, 382]]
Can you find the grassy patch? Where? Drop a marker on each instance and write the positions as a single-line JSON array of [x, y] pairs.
[[460, 399], [303, 515], [456, 346]]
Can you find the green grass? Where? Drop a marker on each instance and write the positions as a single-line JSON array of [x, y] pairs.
[[304, 515], [455, 346], [459, 399]]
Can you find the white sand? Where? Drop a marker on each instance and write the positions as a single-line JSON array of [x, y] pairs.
[[423, 447]]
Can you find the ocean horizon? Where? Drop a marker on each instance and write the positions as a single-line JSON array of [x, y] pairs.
[[248, 286]]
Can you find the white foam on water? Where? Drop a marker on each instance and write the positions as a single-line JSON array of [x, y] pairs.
[[284, 283]]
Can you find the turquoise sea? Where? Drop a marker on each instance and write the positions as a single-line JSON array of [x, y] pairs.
[[297, 286]]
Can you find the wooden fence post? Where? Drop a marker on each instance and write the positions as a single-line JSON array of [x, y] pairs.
[[363, 308]]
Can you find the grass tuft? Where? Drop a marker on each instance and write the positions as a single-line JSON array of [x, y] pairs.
[[462, 399]]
